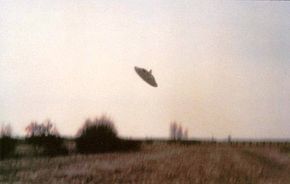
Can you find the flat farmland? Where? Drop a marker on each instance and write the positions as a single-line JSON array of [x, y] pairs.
[[157, 163]]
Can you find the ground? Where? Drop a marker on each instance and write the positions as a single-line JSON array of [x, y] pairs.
[[157, 163]]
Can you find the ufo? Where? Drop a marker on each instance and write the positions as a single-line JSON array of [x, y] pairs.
[[146, 76]]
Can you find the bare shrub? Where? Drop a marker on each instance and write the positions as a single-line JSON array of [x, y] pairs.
[[45, 137]]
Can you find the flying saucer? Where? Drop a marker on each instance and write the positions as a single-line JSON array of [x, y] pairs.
[[146, 76]]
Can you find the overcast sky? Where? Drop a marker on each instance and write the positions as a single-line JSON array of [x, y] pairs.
[[223, 67]]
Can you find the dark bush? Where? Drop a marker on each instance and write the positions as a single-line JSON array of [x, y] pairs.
[[100, 136], [129, 145], [45, 137], [149, 141], [7, 147], [97, 137], [50, 145], [7, 142]]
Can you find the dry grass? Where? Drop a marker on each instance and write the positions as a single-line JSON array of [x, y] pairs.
[[156, 164]]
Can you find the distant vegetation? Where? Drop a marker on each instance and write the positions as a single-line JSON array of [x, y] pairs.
[[177, 133], [96, 136], [100, 136], [7, 142], [45, 139]]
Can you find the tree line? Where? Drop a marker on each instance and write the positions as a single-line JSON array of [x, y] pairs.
[[94, 136]]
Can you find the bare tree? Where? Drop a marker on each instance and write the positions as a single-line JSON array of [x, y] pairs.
[[176, 131], [179, 132], [44, 129], [5, 131], [185, 134], [45, 138], [173, 130]]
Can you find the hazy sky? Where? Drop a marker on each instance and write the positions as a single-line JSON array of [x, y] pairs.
[[223, 67]]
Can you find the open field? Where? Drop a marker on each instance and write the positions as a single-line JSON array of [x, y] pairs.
[[157, 163]]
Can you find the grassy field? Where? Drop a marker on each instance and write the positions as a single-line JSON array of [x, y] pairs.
[[157, 163]]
